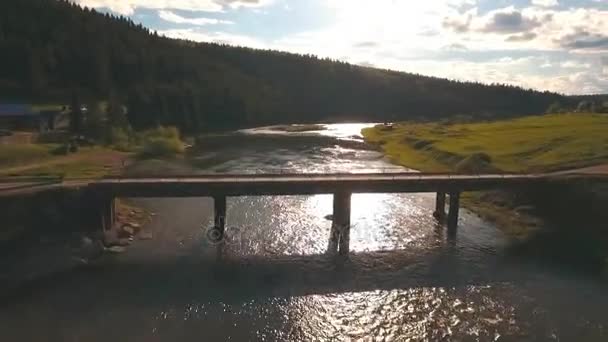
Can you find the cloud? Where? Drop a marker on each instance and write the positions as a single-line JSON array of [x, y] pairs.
[[428, 32], [524, 37], [545, 44], [582, 39], [545, 3], [193, 34], [501, 21], [174, 18], [575, 65], [510, 21], [522, 71], [460, 24], [366, 44], [455, 47], [127, 7], [366, 64]]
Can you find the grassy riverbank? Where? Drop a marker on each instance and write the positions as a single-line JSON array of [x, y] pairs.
[[536, 143], [109, 158], [40, 161], [71, 211], [530, 144]]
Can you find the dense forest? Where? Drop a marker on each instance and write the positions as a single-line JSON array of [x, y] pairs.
[[55, 51]]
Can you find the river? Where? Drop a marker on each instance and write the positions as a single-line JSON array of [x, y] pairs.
[[406, 280]]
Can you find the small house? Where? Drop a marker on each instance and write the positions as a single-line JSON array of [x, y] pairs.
[[21, 117]]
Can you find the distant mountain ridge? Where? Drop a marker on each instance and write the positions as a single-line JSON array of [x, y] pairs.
[[68, 51]]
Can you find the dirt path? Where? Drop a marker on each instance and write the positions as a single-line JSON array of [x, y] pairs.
[[595, 169], [591, 170]]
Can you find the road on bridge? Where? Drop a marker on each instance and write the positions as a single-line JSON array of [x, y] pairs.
[[329, 182]]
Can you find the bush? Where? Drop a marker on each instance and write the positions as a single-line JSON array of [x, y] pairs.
[[476, 163], [555, 108], [160, 142], [74, 148], [118, 136], [161, 147], [420, 144], [61, 150], [161, 132]]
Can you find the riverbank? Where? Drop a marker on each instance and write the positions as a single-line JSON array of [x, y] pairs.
[[35, 160], [530, 144]]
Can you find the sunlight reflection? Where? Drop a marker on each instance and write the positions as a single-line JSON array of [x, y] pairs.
[[374, 222], [349, 130], [417, 313]]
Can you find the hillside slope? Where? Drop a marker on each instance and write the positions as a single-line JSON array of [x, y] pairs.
[[69, 52]]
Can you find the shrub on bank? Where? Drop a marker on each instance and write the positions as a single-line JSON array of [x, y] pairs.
[[476, 163], [160, 142]]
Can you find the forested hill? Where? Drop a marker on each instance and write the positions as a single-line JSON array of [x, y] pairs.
[[55, 51]]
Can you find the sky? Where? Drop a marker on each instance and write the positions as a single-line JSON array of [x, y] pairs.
[[557, 45]]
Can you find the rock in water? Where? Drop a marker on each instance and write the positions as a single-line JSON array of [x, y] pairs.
[[110, 238], [124, 242], [86, 242], [116, 249], [90, 249], [135, 227], [126, 231], [145, 236]]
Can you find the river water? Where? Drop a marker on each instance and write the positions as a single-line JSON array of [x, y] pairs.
[[406, 280]]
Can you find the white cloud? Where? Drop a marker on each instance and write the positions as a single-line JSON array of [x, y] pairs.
[[174, 18], [575, 65], [516, 71], [545, 3], [127, 7], [413, 36], [213, 37], [535, 28]]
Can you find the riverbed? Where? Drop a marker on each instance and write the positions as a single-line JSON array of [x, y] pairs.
[[406, 279]]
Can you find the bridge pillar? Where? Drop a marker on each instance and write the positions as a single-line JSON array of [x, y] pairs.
[[439, 213], [219, 205], [453, 211], [340, 230], [107, 213]]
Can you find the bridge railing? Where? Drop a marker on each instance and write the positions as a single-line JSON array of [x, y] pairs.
[[394, 172], [31, 179]]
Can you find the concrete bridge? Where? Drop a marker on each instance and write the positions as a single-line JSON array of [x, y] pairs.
[[448, 187]]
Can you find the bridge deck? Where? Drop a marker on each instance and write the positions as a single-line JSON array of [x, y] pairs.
[[255, 185], [294, 184]]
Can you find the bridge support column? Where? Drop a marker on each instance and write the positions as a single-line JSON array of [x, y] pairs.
[[439, 213], [454, 210], [219, 224], [219, 205], [340, 230], [107, 213]]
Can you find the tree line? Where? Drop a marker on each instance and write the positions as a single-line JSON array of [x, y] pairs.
[[54, 50]]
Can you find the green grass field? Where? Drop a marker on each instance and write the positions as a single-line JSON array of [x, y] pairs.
[[529, 144], [535, 143]]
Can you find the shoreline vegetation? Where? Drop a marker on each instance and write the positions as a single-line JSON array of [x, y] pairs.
[[93, 161], [108, 156], [530, 144], [299, 128]]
